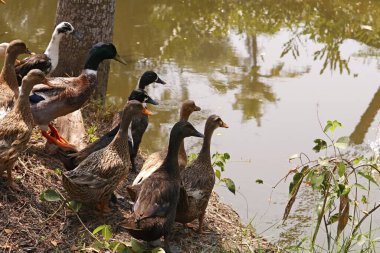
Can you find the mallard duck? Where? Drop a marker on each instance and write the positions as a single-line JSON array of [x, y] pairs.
[[16, 127], [198, 179], [71, 160], [8, 83], [155, 209], [68, 94], [155, 160], [47, 61], [95, 178], [140, 124]]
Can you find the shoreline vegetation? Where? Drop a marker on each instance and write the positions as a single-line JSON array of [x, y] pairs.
[[28, 224]]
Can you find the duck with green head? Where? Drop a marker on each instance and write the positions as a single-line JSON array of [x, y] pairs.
[[68, 94]]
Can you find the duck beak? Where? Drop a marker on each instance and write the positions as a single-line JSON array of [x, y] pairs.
[[197, 108], [159, 80], [224, 125], [150, 100], [27, 51], [119, 59], [77, 35], [146, 112], [198, 134]]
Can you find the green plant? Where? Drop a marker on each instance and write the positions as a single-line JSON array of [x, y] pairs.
[[338, 178], [91, 134]]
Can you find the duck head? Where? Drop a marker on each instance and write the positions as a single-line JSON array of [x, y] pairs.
[[149, 77], [185, 129], [188, 107], [214, 121], [65, 28], [142, 96], [99, 52], [35, 76], [17, 47]]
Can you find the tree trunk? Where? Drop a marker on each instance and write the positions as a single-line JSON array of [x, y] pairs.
[[94, 20]]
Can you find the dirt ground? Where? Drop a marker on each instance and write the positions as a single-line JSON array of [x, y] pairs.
[[28, 224]]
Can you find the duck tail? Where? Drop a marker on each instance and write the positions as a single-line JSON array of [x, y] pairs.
[[67, 158]]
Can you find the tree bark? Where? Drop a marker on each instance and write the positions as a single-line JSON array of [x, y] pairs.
[[94, 20]]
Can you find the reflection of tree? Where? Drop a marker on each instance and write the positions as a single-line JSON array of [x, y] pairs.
[[367, 118]]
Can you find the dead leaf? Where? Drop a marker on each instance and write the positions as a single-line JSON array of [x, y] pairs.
[[8, 231], [54, 243], [344, 209]]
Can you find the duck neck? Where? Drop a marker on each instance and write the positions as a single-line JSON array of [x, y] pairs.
[[93, 61], [122, 133], [205, 151], [52, 50], [171, 160], [8, 73], [184, 116], [23, 106]]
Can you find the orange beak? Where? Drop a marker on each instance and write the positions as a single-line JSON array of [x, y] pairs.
[[146, 112], [224, 125]]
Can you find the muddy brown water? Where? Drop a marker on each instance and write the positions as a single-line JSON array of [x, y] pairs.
[[266, 67]]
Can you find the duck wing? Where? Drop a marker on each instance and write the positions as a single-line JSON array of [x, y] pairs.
[[38, 61], [85, 179]]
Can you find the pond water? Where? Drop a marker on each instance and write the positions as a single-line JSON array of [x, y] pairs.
[[266, 67]]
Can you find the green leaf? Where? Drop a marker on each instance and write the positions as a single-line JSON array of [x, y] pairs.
[[74, 205], [137, 246], [369, 177], [316, 181], [259, 181], [106, 232], [58, 171], [359, 186], [364, 199], [226, 156], [98, 229], [230, 184], [333, 219], [323, 161], [332, 125], [342, 142], [158, 250], [362, 239], [320, 144], [358, 159], [341, 168], [296, 178], [50, 195], [217, 174]]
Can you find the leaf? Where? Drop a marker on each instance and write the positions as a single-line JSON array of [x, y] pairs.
[[137, 246], [294, 156], [98, 229], [158, 250], [296, 178], [342, 142], [106, 232], [358, 159], [369, 177], [341, 168], [217, 174], [259, 181], [362, 239], [332, 125], [230, 184], [74, 205], [317, 180], [50, 195], [364, 199], [333, 219], [360, 186], [293, 190], [344, 209], [323, 161], [226, 156], [320, 144]]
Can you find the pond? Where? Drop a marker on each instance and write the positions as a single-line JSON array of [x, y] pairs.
[[266, 67]]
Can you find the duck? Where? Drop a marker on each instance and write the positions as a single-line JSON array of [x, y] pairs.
[[47, 61], [71, 159], [16, 127], [198, 179], [140, 124], [155, 208], [9, 90], [93, 181], [68, 94], [154, 161]]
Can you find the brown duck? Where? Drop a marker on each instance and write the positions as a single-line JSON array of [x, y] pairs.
[[198, 179], [95, 179], [154, 161], [155, 209], [16, 127], [8, 81]]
